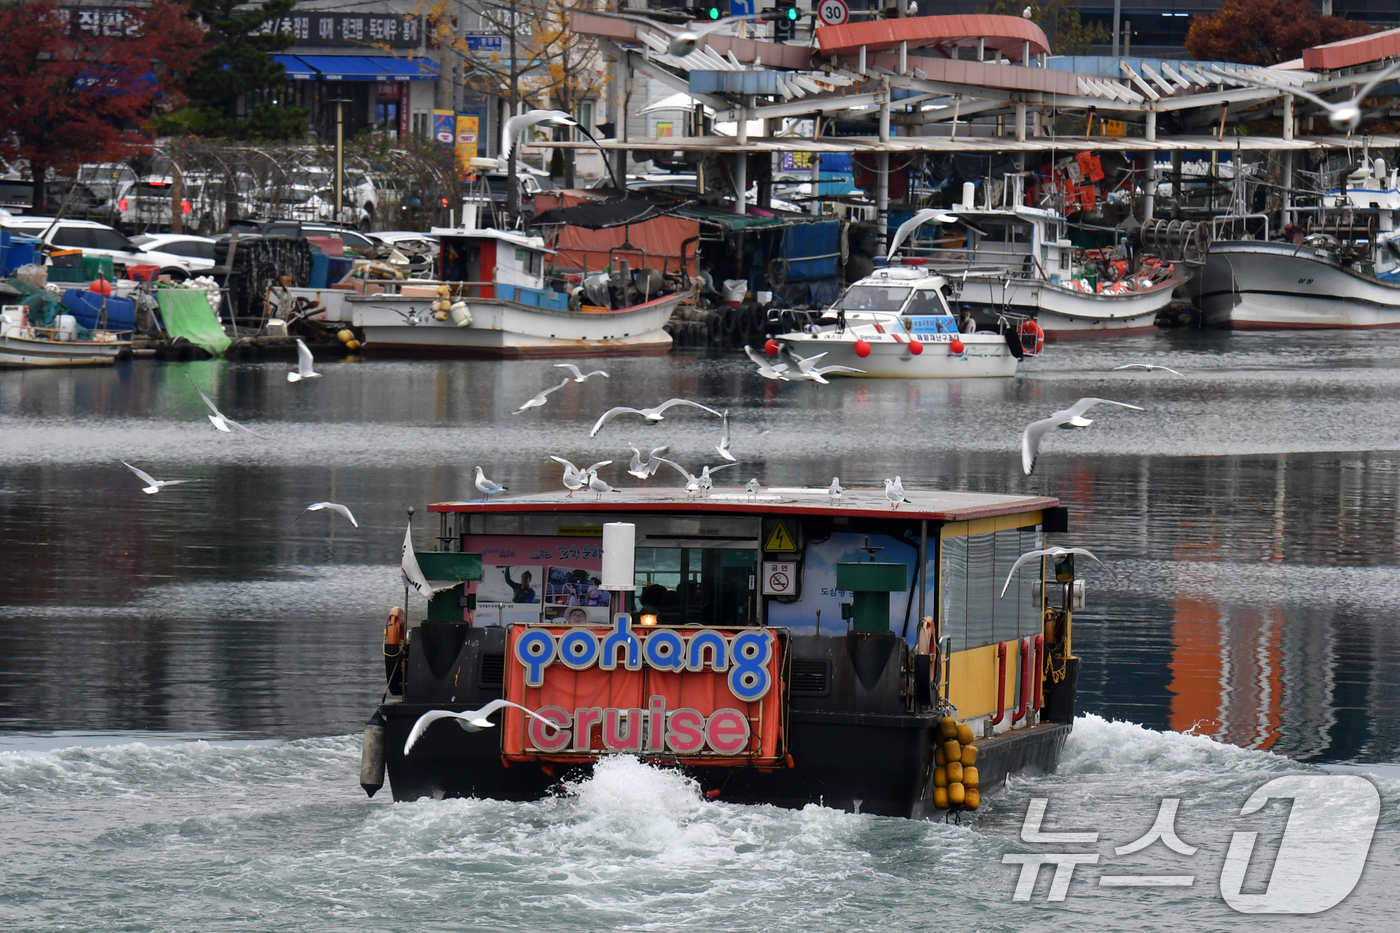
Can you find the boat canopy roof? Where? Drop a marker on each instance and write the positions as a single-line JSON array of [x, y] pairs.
[[935, 505]]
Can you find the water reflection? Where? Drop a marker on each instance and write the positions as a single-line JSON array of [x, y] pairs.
[[1251, 514]]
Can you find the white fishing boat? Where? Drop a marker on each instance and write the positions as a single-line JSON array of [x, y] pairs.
[[1344, 274], [23, 346], [493, 300], [896, 324], [1017, 261]]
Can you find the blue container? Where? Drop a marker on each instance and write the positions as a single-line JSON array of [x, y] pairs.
[[87, 308], [17, 251], [320, 270]]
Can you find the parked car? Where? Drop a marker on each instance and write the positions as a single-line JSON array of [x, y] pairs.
[[96, 239], [364, 245], [199, 250]]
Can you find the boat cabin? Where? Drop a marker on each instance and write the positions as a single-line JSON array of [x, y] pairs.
[[903, 299], [498, 264]]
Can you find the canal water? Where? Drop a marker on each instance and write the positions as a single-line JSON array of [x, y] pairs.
[[183, 676]]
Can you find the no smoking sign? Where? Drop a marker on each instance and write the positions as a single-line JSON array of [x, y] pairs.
[[779, 578]]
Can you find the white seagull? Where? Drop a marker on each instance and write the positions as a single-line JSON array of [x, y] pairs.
[[1051, 552], [333, 506], [154, 485], [723, 445], [540, 399], [834, 490], [680, 43], [807, 367], [1147, 366], [913, 223], [218, 418], [752, 487], [472, 720], [894, 491], [485, 486], [516, 125], [646, 470], [694, 485], [304, 364], [598, 485], [653, 415], [766, 369], [1068, 417], [1344, 115], [578, 376], [574, 478]]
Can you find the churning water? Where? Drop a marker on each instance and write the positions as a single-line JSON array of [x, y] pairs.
[[182, 676]]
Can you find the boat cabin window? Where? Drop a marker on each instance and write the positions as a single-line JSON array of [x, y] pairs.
[[530, 261], [974, 568], [873, 298], [695, 586], [926, 301]]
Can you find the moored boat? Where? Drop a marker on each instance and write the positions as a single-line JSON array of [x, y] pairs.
[[23, 346], [782, 646]]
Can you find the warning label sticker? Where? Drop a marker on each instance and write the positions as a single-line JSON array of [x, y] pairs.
[[780, 539]]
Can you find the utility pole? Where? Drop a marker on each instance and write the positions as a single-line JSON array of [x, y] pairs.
[[340, 103]]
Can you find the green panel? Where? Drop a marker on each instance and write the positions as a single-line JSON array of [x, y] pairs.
[[872, 578], [449, 566], [870, 612], [446, 605]]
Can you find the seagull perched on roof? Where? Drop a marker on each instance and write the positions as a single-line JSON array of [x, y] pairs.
[[894, 491], [653, 415], [1344, 115], [753, 488], [218, 418], [578, 376], [1068, 417], [684, 41], [766, 369], [333, 506], [539, 400], [574, 478], [485, 486], [516, 125], [694, 485], [1051, 552], [305, 361], [1147, 366], [154, 485], [834, 490], [472, 720]]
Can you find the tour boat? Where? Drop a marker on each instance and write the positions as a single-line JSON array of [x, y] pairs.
[[493, 300], [787, 646], [896, 323], [23, 346], [1344, 273]]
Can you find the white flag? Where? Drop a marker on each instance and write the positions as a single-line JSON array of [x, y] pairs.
[[412, 573]]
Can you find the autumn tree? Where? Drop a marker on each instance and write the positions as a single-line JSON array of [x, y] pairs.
[[1061, 23], [1265, 32], [74, 91]]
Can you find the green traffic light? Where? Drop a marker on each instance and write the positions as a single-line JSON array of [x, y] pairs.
[[713, 12], [791, 12]]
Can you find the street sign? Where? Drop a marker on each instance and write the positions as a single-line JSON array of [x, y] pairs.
[[834, 12], [741, 7], [779, 579], [484, 43]]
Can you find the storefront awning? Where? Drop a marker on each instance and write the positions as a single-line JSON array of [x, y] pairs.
[[357, 68]]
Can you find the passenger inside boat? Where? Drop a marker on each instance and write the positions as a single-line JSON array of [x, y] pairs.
[[696, 586]]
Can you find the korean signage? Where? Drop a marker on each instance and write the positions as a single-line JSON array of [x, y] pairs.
[[101, 20], [484, 43], [383, 30], [706, 695], [467, 139]]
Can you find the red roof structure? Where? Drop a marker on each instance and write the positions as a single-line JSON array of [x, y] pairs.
[[1350, 52], [1006, 34]]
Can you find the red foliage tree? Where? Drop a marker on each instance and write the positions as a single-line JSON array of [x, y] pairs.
[[69, 96], [1265, 32]]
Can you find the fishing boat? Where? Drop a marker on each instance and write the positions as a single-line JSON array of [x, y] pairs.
[[24, 346], [896, 323], [1343, 273], [1016, 262], [493, 299], [784, 646]]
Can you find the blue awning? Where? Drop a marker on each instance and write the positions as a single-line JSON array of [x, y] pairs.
[[357, 68]]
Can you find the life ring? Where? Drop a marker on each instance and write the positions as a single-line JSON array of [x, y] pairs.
[[1037, 337], [396, 632]]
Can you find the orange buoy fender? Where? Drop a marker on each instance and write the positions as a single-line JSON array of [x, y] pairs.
[[1032, 337]]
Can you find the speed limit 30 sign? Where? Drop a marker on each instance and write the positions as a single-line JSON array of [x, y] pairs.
[[833, 12]]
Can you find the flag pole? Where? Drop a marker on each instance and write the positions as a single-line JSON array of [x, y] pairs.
[[405, 576]]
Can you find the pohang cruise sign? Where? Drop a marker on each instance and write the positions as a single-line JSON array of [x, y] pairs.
[[695, 695]]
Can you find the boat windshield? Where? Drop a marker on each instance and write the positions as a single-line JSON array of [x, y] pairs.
[[873, 298]]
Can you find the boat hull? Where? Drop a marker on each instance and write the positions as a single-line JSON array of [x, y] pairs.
[[504, 329], [1063, 313], [25, 353], [1278, 286], [983, 356]]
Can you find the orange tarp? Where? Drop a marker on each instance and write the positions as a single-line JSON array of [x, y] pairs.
[[660, 238], [1004, 33]]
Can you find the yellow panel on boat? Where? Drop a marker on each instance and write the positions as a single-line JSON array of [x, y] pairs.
[[979, 526], [972, 681]]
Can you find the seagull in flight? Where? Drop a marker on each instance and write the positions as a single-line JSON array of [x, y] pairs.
[[543, 397], [646, 470], [574, 478], [472, 720], [651, 414], [333, 506], [913, 223], [578, 376], [766, 369], [1150, 367], [1050, 552], [304, 364], [894, 491], [516, 125], [723, 445], [485, 486], [218, 418], [1072, 416], [154, 485], [807, 367], [684, 41], [1344, 115]]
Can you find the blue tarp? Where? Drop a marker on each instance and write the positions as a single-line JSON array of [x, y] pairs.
[[87, 308], [357, 68], [811, 252]]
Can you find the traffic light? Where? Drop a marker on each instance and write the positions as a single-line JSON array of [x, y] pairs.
[[709, 11], [785, 20]]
